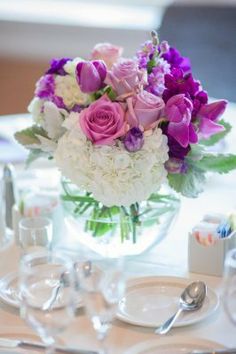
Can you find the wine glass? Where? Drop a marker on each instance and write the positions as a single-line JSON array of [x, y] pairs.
[[40, 274], [229, 294], [102, 286], [35, 234]]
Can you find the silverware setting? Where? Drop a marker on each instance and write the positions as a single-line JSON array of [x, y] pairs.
[[25, 344], [191, 299]]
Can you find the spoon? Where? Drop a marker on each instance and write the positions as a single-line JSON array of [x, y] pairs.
[[191, 299], [63, 281]]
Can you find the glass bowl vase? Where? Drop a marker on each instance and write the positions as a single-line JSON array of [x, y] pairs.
[[116, 231]]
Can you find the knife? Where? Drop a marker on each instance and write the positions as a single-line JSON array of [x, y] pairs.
[[16, 343], [217, 351]]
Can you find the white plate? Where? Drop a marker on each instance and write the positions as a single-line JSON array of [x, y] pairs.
[[9, 289], [150, 301], [9, 293], [177, 345]]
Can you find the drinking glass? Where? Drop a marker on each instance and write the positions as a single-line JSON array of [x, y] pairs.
[[229, 294], [102, 286], [40, 274], [35, 234]]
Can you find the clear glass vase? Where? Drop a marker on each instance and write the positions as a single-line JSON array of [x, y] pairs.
[[117, 231]]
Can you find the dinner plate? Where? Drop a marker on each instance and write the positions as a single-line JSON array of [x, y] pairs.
[[9, 293], [177, 345], [150, 301], [9, 289]]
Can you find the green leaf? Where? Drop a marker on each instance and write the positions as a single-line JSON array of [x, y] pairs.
[[197, 152], [34, 155], [217, 137], [162, 198], [28, 136], [111, 93], [217, 163], [78, 198], [189, 184], [150, 65]]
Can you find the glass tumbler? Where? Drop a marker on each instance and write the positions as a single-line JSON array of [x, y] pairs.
[[35, 234]]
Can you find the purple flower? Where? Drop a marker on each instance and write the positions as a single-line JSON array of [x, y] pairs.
[[91, 75], [176, 60], [147, 50], [45, 86], [178, 111], [213, 111], [200, 99], [77, 108], [164, 47], [58, 101], [177, 82], [133, 140], [175, 149], [176, 166], [156, 79], [57, 66], [208, 116]]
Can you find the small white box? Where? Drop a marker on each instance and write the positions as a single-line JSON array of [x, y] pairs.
[[209, 259]]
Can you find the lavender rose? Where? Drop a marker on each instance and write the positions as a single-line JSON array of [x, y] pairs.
[[107, 52], [103, 121], [124, 76], [144, 109], [91, 75]]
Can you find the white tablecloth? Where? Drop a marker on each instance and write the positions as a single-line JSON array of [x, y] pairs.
[[167, 258]]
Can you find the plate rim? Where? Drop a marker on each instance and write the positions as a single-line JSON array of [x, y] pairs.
[[177, 280], [148, 344], [7, 278]]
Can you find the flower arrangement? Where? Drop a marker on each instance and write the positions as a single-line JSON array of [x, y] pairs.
[[121, 128]]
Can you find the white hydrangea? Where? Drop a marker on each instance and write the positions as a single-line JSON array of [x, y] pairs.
[[113, 175], [70, 65], [49, 116], [68, 88], [35, 108]]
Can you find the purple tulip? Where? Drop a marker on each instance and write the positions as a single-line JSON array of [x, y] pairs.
[[134, 140], [178, 111], [91, 75], [213, 110], [208, 116]]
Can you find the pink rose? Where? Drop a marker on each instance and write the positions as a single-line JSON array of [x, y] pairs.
[[107, 52], [144, 109], [124, 76], [103, 121]]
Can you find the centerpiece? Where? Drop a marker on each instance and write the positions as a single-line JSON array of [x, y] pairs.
[[120, 129]]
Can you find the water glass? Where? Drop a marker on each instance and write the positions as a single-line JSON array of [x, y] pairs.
[[229, 295], [41, 274], [35, 234], [102, 285]]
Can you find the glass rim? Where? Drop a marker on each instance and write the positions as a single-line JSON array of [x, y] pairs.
[[44, 255], [48, 223]]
